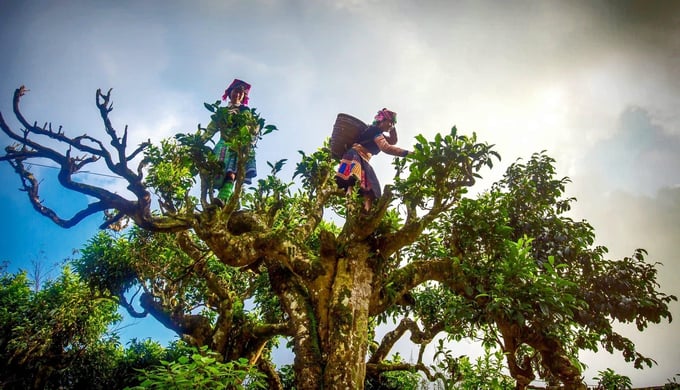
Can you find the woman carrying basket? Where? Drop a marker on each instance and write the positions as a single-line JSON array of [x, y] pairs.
[[354, 165]]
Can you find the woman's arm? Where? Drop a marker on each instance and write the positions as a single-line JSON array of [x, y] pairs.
[[384, 146], [210, 131], [392, 137]]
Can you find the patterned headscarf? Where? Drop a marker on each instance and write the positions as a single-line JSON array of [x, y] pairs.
[[237, 84], [385, 114]]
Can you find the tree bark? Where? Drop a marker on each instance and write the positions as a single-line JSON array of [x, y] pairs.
[[330, 316], [348, 324]]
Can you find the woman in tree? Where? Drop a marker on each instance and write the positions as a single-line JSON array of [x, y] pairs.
[[229, 121], [354, 166]]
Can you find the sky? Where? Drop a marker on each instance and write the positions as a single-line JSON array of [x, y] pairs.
[[596, 84]]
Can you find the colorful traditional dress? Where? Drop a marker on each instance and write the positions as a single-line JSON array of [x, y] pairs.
[[230, 122], [228, 156], [354, 167]]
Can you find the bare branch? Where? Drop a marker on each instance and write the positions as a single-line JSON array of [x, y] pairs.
[[216, 284], [69, 163], [139, 149], [129, 308], [267, 331], [418, 336], [31, 185], [375, 369], [403, 280]]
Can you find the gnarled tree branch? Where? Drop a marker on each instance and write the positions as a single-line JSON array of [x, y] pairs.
[[91, 150]]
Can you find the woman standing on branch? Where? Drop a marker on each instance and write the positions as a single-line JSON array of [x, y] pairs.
[[229, 125], [354, 166]]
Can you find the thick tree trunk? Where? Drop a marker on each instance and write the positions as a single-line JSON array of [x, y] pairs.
[[330, 316], [347, 340]]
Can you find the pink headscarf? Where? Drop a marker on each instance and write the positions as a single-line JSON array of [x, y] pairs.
[[237, 84], [385, 114]]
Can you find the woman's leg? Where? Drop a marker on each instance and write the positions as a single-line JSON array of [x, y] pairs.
[[368, 202], [228, 187]]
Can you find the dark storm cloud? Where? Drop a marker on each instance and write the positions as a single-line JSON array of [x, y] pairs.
[[643, 25], [648, 20]]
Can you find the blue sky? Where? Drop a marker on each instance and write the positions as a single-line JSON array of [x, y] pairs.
[[595, 84]]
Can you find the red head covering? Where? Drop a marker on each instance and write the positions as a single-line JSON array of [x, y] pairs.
[[237, 84], [385, 114]]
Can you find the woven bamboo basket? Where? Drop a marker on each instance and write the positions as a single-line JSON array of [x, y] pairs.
[[346, 131]]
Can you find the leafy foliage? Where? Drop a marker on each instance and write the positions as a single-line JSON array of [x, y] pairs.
[[201, 370], [528, 271], [441, 167], [609, 380], [115, 276], [55, 336], [672, 383], [58, 337], [396, 380], [171, 171], [486, 372]]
